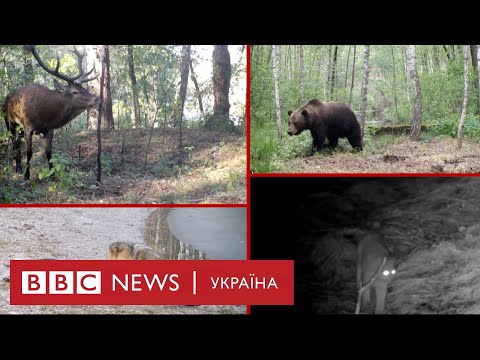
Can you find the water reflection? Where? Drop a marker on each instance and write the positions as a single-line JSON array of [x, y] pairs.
[[219, 232], [158, 236], [198, 233]]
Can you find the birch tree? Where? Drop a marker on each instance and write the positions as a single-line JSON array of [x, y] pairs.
[[363, 97], [465, 98], [346, 71], [275, 60], [478, 72], [353, 76], [302, 77], [334, 69], [417, 106], [394, 83]]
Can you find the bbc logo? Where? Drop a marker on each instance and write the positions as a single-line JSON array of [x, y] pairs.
[[61, 282]]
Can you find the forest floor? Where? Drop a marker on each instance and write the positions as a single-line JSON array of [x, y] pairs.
[[77, 234], [390, 154], [210, 167]]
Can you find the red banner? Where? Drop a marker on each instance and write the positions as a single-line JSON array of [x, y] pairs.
[[162, 282]]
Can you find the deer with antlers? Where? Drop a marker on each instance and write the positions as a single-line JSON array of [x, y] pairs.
[[39, 110]]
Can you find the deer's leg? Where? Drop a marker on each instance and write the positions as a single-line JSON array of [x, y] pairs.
[[380, 295], [365, 298], [28, 140], [17, 147], [48, 146]]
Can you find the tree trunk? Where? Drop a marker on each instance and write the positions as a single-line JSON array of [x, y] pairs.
[[405, 73], [394, 83], [417, 107], [353, 76], [100, 56], [452, 47], [447, 52], [107, 94], [424, 61], [148, 108], [327, 75], [275, 60], [334, 68], [133, 79], [348, 59], [302, 77], [222, 72], [478, 72], [436, 58], [99, 126], [198, 93], [363, 97], [290, 72], [296, 71], [285, 56], [465, 98], [184, 68]]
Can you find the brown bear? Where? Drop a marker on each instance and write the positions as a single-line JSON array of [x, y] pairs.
[[330, 120]]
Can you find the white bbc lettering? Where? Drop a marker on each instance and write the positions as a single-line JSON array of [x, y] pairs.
[[89, 282], [60, 282], [34, 282]]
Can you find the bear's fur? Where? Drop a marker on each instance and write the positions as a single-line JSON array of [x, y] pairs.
[[330, 120]]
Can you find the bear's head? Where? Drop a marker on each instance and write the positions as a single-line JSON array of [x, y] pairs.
[[297, 121]]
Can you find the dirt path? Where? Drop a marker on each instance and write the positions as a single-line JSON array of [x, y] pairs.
[[439, 155], [70, 234]]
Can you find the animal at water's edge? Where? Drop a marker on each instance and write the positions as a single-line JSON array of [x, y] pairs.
[[35, 109], [122, 250], [331, 120], [371, 252]]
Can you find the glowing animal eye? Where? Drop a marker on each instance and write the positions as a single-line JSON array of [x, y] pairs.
[[386, 272], [393, 271]]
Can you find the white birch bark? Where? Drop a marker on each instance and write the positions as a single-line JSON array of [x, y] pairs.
[[465, 97], [302, 77], [275, 59], [417, 97], [363, 96], [478, 77]]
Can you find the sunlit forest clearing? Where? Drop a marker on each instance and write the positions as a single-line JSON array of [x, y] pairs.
[[172, 124], [418, 106]]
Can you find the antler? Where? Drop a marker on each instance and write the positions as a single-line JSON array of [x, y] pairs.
[[83, 77], [80, 78]]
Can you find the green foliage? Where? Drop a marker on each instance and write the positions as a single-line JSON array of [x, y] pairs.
[[234, 180], [449, 126], [376, 144], [263, 147], [107, 163], [219, 123], [63, 175]]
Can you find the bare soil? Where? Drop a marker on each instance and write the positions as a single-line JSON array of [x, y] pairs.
[[76, 234], [439, 155]]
